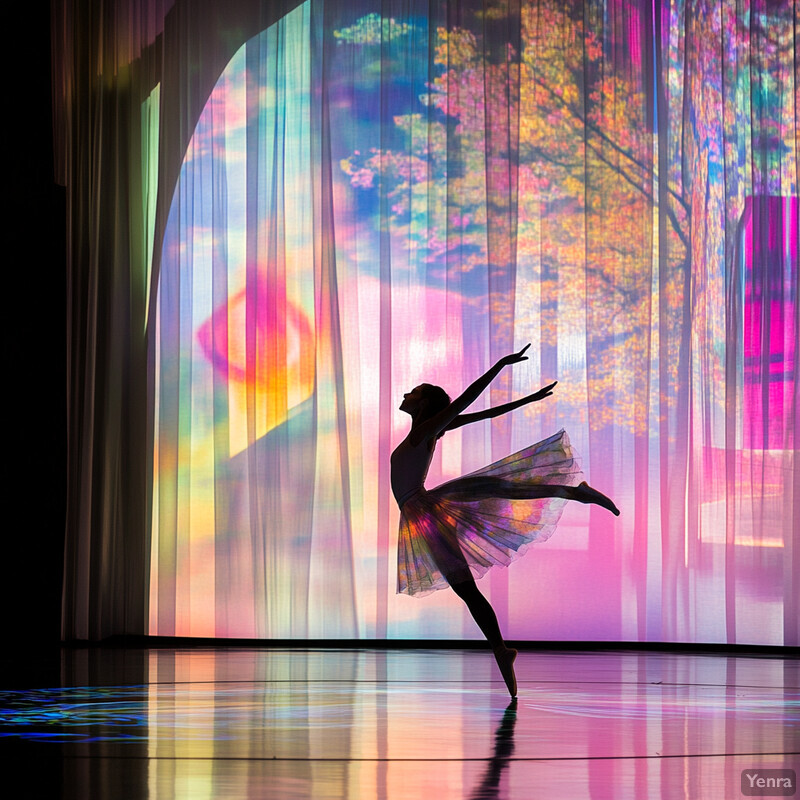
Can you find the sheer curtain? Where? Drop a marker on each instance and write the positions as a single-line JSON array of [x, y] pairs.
[[284, 218], [118, 145]]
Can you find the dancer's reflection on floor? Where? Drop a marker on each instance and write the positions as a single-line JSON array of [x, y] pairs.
[[488, 788]]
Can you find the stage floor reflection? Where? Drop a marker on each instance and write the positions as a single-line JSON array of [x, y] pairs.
[[225, 722]]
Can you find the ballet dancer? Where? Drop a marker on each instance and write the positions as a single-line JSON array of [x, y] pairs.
[[456, 532]]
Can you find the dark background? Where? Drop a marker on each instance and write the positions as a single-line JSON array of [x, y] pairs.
[[34, 353]]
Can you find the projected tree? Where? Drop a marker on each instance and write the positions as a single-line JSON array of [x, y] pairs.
[[579, 176], [582, 173]]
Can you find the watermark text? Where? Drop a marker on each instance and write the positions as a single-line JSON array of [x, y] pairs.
[[769, 782]]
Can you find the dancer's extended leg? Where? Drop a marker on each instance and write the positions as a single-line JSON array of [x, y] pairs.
[[582, 493], [524, 491], [483, 613], [586, 494]]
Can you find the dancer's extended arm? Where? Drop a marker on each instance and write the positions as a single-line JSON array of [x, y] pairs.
[[444, 419], [496, 411]]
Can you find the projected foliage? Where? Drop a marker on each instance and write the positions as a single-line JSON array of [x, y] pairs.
[[578, 162]]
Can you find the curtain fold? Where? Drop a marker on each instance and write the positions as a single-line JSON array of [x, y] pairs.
[[100, 84], [284, 216]]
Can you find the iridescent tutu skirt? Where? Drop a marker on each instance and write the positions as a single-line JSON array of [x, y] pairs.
[[464, 527]]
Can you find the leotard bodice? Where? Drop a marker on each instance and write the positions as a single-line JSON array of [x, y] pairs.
[[409, 467]]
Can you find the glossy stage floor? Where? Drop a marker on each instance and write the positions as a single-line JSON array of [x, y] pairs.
[[255, 722]]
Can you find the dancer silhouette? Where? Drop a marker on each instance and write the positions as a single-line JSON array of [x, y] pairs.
[[456, 532]]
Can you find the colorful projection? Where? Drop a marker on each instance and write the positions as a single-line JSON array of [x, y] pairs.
[[369, 202]]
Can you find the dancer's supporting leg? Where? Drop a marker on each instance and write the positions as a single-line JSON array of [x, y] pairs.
[[483, 613]]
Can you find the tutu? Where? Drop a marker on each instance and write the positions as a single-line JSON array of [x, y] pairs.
[[464, 527]]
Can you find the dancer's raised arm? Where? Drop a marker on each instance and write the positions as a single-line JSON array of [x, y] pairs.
[[443, 420], [496, 411]]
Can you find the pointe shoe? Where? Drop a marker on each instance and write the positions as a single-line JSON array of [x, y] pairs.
[[505, 661], [591, 495]]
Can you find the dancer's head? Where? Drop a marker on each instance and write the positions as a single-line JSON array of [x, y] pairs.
[[436, 398], [425, 401]]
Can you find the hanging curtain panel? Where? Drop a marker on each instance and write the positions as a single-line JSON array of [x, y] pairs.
[[346, 200]]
